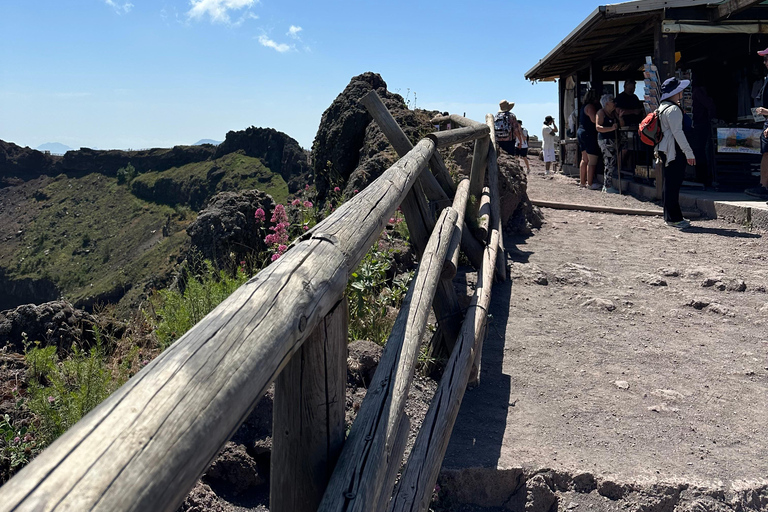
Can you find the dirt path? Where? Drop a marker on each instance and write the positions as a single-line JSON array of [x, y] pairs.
[[627, 357]]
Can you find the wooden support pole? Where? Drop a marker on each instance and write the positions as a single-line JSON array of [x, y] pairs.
[[395, 135], [460, 205], [484, 213], [456, 119], [420, 474], [394, 463], [458, 135], [441, 173], [479, 162], [308, 416], [477, 360], [493, 184], [358, 479]]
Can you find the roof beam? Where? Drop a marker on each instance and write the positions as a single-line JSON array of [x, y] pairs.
[[640, 6], [729, 7]]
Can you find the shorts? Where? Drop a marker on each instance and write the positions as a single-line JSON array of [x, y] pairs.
[[508, 146], [522, 152], [763, 140], [587, 142], [549, 155]]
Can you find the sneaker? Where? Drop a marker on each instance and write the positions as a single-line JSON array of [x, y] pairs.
[[760, 192], [596, 186], [610, 190], [681, 224]]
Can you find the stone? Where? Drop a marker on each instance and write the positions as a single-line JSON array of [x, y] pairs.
[[720, 309], [539, 496], [235, 468], [712, 282], [362, 360], [669, 272], [735, 285], [596, 302], [651, 280], [621, 384]]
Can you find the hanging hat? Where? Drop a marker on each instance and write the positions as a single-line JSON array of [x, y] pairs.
[[763, 53], [672, 86], [506, 106]]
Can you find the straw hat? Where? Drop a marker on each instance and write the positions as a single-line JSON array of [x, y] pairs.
[[506, 106]]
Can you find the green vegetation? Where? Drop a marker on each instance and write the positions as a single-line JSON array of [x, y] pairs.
[[176, 312], [193, 184]]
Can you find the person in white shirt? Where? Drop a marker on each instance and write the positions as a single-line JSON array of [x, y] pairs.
[[548, 138], [522, 147]]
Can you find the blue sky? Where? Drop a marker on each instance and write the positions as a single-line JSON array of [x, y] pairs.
[[137, 74]]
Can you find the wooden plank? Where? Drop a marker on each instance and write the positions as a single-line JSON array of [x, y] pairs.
[[308, 416], [454, 118], [493, 185], [479, 162], [729, 7], [484, 213], [357, 481], [442, 175], [420, 474], [147, 444], [592, 208], [458, 135], [460, 205], [477, 359]]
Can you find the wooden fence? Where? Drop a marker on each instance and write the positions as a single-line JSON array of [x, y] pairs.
[[147, 444]]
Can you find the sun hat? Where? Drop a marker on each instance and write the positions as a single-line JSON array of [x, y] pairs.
[[763, 53], [672, 86], [506, 106]]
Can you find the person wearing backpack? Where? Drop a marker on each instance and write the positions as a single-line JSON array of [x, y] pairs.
[[506, 128], [674, 151]]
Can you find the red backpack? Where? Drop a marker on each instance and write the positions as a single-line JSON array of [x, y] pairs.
[[650, 128]]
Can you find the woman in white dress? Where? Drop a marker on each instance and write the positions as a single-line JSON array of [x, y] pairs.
[[548, 138]]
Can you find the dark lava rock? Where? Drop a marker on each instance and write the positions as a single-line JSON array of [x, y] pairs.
[[278, 151], [342, 132], [362, 361], [539, 496], [228, 226], [235, 468], [56, 323]]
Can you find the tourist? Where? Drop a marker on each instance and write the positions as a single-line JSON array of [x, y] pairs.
[[587, 136], [762, 191], [548, 141], [674, 151], [629, 108], [607, 124], [506, 127], [522, 147]]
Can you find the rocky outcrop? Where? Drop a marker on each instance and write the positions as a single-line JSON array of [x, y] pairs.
[[281, 153], [227, 226], [56, 323]]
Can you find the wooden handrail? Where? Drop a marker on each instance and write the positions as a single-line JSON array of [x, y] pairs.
[[146, 445], [458, 135]]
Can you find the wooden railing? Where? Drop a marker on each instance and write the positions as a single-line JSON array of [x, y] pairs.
[[145, 446]]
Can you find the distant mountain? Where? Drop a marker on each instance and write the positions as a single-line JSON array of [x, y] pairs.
[[55, 148], [207, 141]]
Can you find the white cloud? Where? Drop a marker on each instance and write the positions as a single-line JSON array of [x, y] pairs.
[[119, 8], [269, 43], [294, 32], [218, 10]]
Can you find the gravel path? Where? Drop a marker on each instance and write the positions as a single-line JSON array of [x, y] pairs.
[[625, 354]]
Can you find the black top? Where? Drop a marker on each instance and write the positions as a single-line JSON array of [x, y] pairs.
[[628, 101], [608, 121]]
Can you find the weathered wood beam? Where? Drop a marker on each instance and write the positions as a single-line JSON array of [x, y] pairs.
[[394, 463], [479, 163], [357, 481], [458, 135], [493, 184], [308, 416], [730, 7], [460, 205], [484, 213], [176, 413], [418, 480], [454, 118], [441, 174]]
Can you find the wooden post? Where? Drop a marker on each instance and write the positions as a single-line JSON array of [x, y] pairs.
[[460, 205], [458, 135], [484, 213], [394, 463], [493, 185], [479, 162], [308, 416]]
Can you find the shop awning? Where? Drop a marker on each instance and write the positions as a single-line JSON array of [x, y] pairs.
[[619, 36]]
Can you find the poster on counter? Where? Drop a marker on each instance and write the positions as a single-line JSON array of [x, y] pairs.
[[738, 140]]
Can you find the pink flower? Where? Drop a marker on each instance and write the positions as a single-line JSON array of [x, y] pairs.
[[281, 248], [336, 189], [51, 399], [307, 204], [306, 187], [17, 439], [279, 215], [392, 220], [356, 191], [306, 227], [260, 215], [275, 256], [296, 202]]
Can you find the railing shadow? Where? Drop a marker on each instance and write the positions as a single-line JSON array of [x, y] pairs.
[[731, 233], [478, 433]]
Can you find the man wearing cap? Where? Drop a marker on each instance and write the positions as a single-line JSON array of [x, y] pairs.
[[762, 97], [674, 151], [507, 128]]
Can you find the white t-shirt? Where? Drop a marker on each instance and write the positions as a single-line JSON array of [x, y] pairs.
[[525, 138], [548, 138]]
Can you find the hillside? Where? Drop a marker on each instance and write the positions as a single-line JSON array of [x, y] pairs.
[[104, 226]]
